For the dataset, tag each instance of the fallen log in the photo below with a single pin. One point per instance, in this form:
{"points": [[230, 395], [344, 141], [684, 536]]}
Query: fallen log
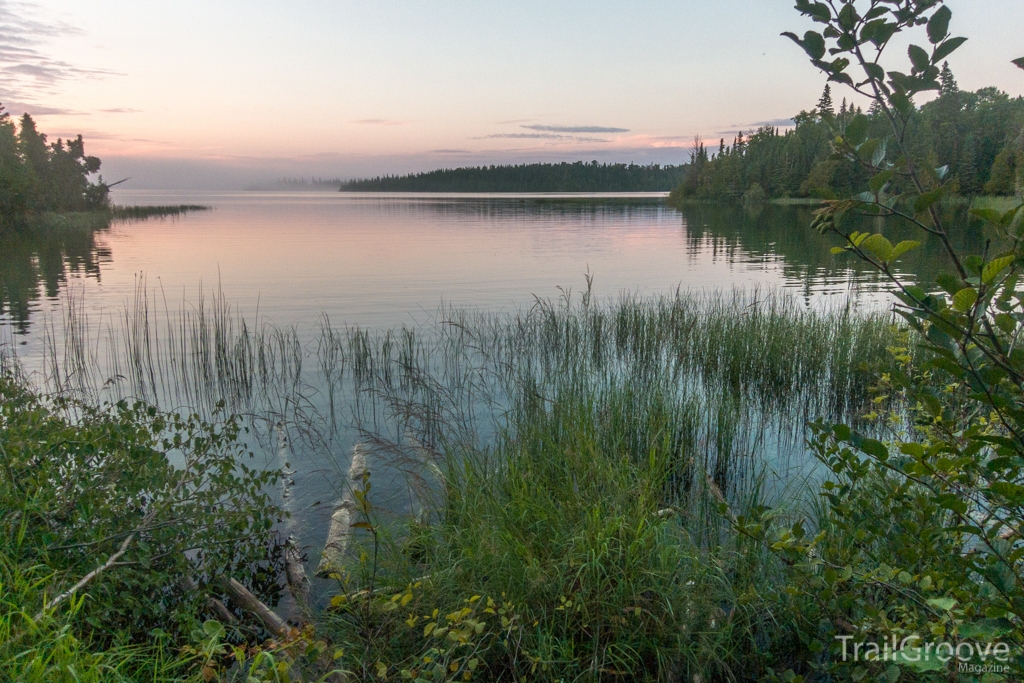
{"points": [[251, 604], [339, 535]]}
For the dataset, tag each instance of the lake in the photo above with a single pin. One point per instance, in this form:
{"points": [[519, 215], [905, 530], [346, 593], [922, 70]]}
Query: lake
{"points": [[381, 260], [233, 303]]}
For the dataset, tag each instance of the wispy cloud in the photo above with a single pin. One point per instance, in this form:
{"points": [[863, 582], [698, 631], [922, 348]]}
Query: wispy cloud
{"points": [[26, 71], [17, 107], [751, 127], [449, 151], [121, 110], [538, 136], [576, 129], [378, 122], [782, 123]]}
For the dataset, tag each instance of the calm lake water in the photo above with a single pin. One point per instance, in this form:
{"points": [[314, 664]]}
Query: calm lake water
{"points": [[381, 260]]}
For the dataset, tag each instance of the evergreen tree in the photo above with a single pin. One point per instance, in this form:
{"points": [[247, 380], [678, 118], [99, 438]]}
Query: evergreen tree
{"points": [[36, 176], [825, 105], [14, 182], [947, 81]]}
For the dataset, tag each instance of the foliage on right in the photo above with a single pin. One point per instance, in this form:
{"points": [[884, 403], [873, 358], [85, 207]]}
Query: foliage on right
{"points": [[919, 535]]}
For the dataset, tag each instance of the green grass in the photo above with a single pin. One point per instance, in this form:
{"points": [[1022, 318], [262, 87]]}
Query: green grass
{"points": [[51, 649], [96, 220], [584, 450]]}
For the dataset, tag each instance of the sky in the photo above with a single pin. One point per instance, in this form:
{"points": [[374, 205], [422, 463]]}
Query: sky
{"points": [[220, 94]]}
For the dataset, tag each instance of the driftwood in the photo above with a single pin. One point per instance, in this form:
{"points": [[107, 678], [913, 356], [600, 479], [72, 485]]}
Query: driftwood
{"points": [[295, 570], [250, 603], [111, 562], [295, 573], [218, 608], [340, 533]]}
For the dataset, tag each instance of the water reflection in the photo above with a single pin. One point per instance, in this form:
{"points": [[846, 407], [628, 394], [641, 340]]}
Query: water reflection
{"points": [[782, 236], [37, 261], [371, 259]]}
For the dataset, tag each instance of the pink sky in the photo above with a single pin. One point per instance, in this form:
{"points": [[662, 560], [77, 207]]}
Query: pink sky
{"points": [[219, 94]]}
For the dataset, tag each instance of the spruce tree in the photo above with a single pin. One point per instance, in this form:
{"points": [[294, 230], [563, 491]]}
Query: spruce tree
{"points": [[825, 105], [948, 82]]}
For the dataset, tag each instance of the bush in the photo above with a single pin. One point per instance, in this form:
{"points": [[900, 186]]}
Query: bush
{"points": [[115, 520], [920, 531]]}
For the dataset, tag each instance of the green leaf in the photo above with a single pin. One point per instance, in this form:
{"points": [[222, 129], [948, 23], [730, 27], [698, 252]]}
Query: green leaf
{"points": [[946, 49], [964, 299], [986, 628], [875, 449], [917, 659], [857, 130], [944, 604], [927, 200], [994, 267], [988, 215], [919, 58], [837, 250], [879, 181], [820, 12], [874, 71], [938, 25], [1006, 323], [848, 17], [813, 43], [903, 247], [879, 246]]}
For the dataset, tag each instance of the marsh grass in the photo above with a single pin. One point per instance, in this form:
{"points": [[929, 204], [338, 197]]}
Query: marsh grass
{"points": [[740, 373], [585, 458], [97, 220], [122, 213]]}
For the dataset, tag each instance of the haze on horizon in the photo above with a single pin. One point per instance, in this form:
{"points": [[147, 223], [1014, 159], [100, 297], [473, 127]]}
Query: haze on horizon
{"points": [[216, 95]]}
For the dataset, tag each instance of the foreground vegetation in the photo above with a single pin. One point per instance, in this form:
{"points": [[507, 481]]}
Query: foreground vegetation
{"points": [[604, 529], [587, 522]]}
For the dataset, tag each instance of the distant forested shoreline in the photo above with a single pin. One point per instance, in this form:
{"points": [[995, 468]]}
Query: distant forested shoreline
{"points": [[560, 177], [975, 137]]}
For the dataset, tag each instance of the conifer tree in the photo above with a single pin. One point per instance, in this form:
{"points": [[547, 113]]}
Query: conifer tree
{"points": [[948, 82], [825, 105]]}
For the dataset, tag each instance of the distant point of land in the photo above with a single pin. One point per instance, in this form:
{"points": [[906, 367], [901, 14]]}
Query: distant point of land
{"points": [[560, 177]]}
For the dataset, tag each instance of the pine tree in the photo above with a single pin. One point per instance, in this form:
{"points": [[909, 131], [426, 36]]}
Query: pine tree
{"points": [[947, 81], [825, 105]]}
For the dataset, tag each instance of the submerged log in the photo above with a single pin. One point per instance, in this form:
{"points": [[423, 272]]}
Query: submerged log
{"points": [[295, 570], [253, 605], [339, 536], [295, 573], [218, 608]]}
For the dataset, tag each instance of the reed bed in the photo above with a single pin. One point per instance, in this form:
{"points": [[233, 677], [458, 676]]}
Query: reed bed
{"points": [[579, 453], [740, 372], [124, 213]]}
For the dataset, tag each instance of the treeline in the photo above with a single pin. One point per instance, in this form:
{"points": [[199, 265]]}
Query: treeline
{"points": [[296, 185], [36, 176], [561, 177], [978, 135]]}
